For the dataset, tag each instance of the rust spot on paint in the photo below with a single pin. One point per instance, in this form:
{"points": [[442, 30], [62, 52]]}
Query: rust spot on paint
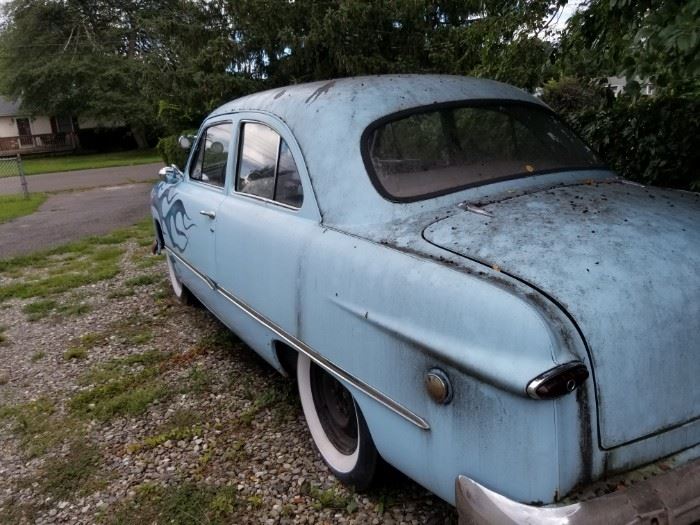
{"points": [[325, 88]]}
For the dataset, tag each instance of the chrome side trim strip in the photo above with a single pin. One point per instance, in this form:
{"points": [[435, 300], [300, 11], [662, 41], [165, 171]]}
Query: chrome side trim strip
{"points": [[211, 284], [302, 347]]}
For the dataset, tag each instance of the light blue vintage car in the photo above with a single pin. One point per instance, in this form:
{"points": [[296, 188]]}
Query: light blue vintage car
{"points": [[459, 287]]}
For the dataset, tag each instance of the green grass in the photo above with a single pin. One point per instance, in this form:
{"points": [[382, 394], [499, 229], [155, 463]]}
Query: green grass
{"points": [[71, 266], [188, 503], [121, 386], [141, 280], [43, 308], [69, 253], [199, 380], [37, 425], [71, 475], [332, 498], [37, 356], [35, 165], [280, 396], [39, 309], [76, 352], [94, 269], [13, 206]]}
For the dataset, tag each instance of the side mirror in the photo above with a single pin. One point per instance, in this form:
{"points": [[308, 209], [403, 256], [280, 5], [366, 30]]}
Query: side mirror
{"points": [[185, 142], [170, 174]]}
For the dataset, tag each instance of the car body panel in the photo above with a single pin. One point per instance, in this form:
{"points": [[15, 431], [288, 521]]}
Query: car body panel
{"points": [[624, 261]]}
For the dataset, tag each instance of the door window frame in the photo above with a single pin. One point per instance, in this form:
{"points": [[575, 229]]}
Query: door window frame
{"points": [[229, 156], [280, 137]]}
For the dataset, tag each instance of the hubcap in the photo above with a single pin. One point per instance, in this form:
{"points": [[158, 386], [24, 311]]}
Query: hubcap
{"points": [[335, 408]]}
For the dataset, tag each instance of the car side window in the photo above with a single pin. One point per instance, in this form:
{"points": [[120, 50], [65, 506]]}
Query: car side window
{"points": [[212, 155], [266, 167]]}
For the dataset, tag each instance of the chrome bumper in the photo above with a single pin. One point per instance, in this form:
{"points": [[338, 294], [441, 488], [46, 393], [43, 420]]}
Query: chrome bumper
{"points": [[670, 498]]}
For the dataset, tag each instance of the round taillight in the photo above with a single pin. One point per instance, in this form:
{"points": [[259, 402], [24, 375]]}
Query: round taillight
{"points": [[558, 381]]}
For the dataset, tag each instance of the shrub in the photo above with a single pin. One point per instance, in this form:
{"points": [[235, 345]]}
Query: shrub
{"points": [[569, 94], [171, 151], [652, 140]]}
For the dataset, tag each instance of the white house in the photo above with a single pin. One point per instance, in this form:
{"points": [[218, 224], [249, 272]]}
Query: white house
{"points": [[21, 132], [618, 84]]}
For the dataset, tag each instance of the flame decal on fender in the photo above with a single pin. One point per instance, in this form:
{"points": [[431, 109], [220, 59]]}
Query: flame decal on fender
{"points": [[172, 214]]}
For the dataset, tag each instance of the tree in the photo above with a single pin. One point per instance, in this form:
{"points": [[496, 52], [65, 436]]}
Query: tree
{"points": [[650, 39], [138, 62], [307, 40]]}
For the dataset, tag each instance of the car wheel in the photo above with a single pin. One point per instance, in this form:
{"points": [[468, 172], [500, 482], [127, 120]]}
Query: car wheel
{"points": [[337, 425], [180, 290]]}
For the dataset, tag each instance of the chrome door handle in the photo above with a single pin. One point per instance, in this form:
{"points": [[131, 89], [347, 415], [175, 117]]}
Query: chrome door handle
{"points": [[210, 214]]}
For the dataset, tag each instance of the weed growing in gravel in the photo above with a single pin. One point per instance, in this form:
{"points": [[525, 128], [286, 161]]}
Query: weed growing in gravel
{"points": [[39, 309], [200, 380], [141, 280], [133, 330], [236, 451], [76, 352], [57, 270], [121, 386], [177, 505], [147, 261], [121, 293], [255, 501], [221, 339], [281, 396], [332, 498], [126, 394], [175, 434], [37, 425], [42, 308], [37, 356], [184, 417], [3, 337], [72, 475], [96, 265]]}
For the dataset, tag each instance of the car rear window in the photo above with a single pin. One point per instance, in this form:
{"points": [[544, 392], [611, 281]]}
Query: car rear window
{"points": [[434, 151]]}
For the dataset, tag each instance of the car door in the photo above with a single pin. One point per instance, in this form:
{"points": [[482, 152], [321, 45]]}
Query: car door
{"points": [[201, 195], [265, 222]]}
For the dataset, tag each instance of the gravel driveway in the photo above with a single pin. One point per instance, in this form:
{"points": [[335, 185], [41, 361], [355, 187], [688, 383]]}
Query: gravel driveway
{"points": [[119, 405]]}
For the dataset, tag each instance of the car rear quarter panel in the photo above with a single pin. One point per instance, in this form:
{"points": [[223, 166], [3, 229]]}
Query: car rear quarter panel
{"points": [[387, 317]]}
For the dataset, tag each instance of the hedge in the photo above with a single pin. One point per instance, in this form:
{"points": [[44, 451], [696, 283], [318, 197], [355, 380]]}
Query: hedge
{"points": [[653, 140], [170, 149]]}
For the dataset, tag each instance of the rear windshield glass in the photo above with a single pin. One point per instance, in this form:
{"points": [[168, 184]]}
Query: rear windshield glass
{"points": [[436, 151]]}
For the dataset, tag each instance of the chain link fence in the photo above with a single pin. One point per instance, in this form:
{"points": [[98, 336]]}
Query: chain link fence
{"points": [[12, 167]]}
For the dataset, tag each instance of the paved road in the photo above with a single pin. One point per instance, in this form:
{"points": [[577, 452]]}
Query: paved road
{"points": [[67, 217], [75, 180]]}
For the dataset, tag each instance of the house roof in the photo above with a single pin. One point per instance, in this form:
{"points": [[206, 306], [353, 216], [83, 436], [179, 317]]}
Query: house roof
{"points": [[9, 108]]}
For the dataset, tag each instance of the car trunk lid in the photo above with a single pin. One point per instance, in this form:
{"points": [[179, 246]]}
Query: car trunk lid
{"points": [[624, 261]]}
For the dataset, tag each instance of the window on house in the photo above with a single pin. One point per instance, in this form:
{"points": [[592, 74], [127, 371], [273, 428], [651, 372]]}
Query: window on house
{"points": [[61, 124], [266, 167], [211, 156]]}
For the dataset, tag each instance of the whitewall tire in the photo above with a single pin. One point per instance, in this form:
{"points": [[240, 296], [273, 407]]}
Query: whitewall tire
{"points": [[180, 290], [337, 425]]}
